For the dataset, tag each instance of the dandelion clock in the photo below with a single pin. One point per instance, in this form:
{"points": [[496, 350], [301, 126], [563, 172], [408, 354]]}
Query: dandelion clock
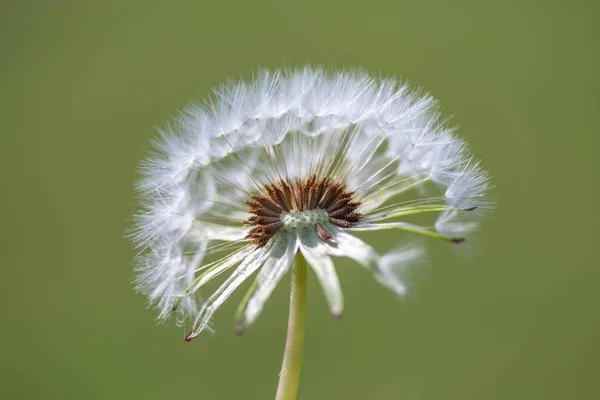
{"points": [[276, 175]]}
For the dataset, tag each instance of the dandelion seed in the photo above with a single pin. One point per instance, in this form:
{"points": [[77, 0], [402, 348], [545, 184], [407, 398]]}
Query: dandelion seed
{"points": [[294, 162]]}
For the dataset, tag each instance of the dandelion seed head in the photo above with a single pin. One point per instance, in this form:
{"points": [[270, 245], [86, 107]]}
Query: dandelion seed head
{"points": [[296, 161]]}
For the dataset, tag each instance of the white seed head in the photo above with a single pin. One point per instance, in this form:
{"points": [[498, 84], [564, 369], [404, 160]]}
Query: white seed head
{"points": [[295, 161]]}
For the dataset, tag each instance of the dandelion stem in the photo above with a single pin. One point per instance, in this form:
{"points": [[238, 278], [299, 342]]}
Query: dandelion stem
{"points": [[292, 358]]}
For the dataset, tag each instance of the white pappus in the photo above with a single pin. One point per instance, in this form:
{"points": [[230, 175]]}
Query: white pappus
{"points": [[296, 161]]}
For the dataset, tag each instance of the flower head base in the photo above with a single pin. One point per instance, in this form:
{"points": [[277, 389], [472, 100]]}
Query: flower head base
{"points": [[296, 161], [307, 204]]}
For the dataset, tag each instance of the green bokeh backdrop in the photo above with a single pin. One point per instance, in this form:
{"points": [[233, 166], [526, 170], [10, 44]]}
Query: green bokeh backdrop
{"points": [[85, 83]]}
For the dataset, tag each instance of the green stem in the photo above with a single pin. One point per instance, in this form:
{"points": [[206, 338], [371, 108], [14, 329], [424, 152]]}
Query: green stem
{"points": [[292, 358]]}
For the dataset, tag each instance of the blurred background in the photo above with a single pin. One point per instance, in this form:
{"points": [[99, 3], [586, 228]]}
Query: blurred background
{"points": [[84, 84]]}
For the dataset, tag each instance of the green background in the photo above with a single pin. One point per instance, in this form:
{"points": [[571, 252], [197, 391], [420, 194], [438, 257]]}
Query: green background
{"points": [[83, 84]]}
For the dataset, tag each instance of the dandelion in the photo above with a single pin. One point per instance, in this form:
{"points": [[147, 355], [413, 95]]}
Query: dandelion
{"points": [[277, 174]]}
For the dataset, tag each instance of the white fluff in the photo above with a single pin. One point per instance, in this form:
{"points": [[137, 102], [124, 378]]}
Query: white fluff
{"points": [[382, 139]]}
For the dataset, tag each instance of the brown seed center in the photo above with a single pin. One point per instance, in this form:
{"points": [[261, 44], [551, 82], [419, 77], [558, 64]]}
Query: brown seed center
{"points": [[302, 195]]}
